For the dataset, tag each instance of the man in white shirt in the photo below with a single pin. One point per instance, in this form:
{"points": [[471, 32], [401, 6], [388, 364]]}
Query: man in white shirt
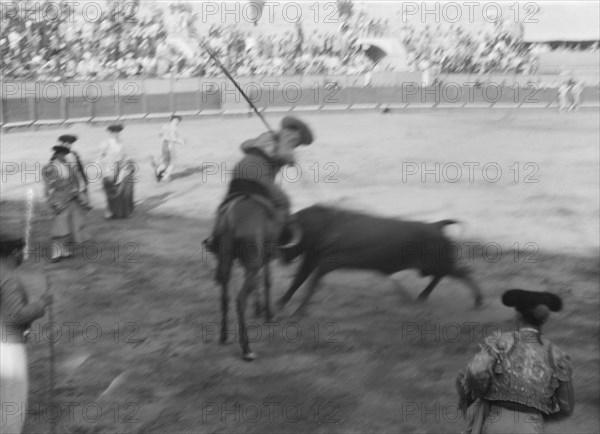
{"points": [[170, 138]]}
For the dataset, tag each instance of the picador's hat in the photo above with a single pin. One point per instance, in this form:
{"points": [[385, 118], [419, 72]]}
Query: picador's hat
{"points": [[67, 138], [523, 300], [292, 123], [9, 244], [115, 128]]}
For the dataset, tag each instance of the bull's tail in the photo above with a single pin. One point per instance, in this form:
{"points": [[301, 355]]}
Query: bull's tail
{"points": [[447, 222]]}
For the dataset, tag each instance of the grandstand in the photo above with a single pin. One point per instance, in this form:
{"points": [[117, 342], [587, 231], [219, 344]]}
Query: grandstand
{"points": [[151, 67], [566, 39], [157, 43]]}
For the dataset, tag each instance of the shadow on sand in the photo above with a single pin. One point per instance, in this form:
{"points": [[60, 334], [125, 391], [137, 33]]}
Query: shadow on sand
{"points": [[187, 172]]}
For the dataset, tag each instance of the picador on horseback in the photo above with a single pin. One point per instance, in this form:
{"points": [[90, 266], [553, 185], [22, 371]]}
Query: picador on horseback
{"points": [[255, 175], [254, 217]]}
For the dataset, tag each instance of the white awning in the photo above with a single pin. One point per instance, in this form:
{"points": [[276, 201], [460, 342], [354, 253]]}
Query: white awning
{"points": [[563, 21]]}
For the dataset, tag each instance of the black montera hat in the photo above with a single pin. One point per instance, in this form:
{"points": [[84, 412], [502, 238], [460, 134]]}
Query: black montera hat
{"points": [[115, 128], [67, 138], [523, 300], [293, 123]]}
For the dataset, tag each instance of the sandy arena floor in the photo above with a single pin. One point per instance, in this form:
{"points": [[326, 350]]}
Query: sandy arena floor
{"points": [[139, 314]]}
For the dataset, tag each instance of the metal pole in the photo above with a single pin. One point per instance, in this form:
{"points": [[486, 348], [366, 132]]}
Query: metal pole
{"points": [[235, 83]]}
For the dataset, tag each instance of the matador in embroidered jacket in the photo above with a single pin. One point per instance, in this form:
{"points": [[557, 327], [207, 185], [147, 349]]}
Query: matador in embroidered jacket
{"points": [[518, 380]]}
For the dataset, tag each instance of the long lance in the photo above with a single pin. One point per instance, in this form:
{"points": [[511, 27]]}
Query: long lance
{"points": [[28, 216], [213, 56]]}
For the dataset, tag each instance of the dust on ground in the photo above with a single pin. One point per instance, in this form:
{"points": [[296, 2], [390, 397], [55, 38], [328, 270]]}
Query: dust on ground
{"points": [[139, 312]]}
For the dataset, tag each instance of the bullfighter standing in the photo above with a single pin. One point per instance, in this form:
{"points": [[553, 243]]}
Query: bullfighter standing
{"points": [[255, 173], [117, 175], [518, 380], [66, 189], [170, 138]]}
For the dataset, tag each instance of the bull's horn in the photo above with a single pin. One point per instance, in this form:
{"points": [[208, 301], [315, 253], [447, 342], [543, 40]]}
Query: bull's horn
{"points": [[296, 236]]}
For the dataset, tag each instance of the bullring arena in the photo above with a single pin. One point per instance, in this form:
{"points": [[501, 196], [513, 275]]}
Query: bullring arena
{"points": [[137, 310]]}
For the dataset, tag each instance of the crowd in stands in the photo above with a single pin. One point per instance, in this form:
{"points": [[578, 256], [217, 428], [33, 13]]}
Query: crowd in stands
{"points": [[292, 52], [364, 26], [452, 49], [155, 42], [122, 41], [573, 46], [589, 46]]}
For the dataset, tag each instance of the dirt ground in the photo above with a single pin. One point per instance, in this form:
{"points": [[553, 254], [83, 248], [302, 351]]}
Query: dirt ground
{"points": [[137, 311]]}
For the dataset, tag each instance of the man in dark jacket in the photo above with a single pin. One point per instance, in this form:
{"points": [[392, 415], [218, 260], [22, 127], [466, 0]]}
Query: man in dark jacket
{"points": [[255, 173], [66, 189]]}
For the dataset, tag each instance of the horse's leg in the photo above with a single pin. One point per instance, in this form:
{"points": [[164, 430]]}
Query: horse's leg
{"points": [[301, 275], [267, 277], [425, 293], [249, 285], [312, 286], [257, 306], [223, 276]]}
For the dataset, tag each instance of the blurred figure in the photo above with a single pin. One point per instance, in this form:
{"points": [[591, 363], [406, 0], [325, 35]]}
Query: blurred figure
{"points": [[426, 73], [569, 95], [564, 97], [368, 77], [170, 138], [256, 172], [66, 189], [16, 315], [576, 91], [517, 380], [117, 175]]}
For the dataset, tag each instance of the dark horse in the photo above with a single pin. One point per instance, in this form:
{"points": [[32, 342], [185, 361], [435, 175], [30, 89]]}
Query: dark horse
{"points": [[248, 233]]}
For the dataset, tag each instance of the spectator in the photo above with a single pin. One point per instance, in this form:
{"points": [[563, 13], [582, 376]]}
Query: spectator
{"points": [[132, 46]]}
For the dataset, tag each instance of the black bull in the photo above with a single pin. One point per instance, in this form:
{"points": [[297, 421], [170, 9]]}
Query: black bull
{"points": [[335, 239]]}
